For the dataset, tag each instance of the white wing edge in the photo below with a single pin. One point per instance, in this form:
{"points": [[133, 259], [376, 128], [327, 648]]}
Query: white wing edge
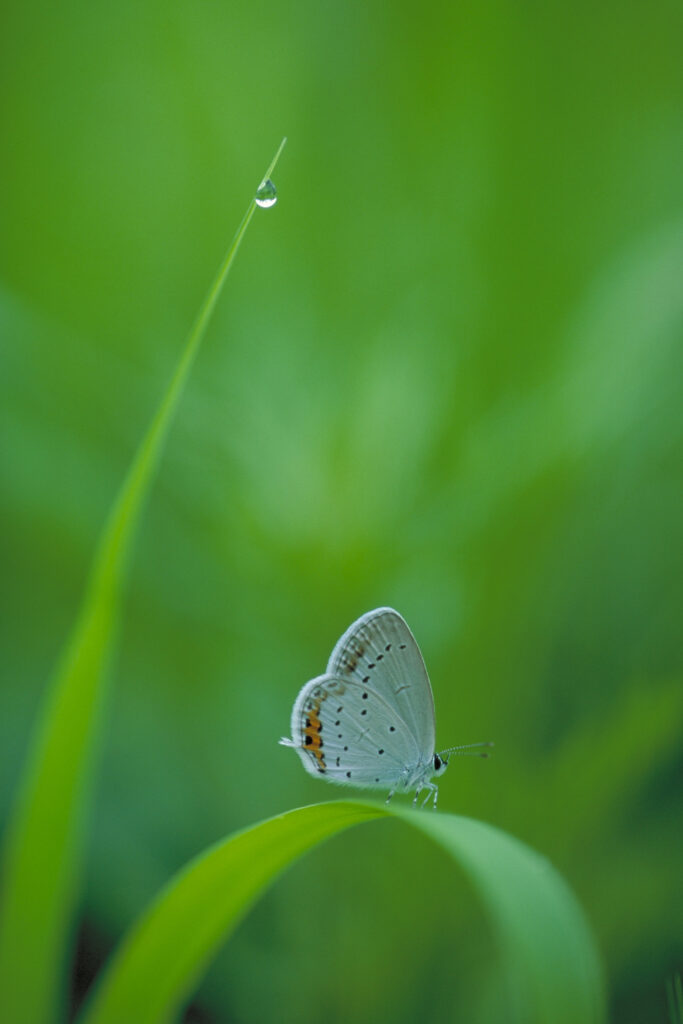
{"points": [[343, 639]]}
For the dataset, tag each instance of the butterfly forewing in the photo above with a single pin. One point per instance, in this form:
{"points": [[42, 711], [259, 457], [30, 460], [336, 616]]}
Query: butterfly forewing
{"points": [[347, 732], [379, 651]]}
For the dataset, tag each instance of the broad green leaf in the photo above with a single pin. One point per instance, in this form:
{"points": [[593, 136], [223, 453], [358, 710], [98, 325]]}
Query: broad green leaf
{"points": [[550, 965], [42, 852]]}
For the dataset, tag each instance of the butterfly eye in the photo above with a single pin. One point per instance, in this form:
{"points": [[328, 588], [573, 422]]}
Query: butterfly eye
{"points": [[437, 762]]}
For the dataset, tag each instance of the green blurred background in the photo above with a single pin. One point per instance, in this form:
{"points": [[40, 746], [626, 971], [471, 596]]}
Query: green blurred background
{"points": [[442, 377]]}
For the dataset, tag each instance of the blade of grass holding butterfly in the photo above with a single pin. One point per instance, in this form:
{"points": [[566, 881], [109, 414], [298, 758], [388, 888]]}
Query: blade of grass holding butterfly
{"points": [[42, 850], [549, 960]]}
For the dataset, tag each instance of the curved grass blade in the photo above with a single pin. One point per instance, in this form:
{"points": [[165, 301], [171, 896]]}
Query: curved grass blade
{"points": [[550, 963], [42, 852], [551, 966]]}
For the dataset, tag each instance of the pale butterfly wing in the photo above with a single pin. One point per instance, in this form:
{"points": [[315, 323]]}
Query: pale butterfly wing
{"points": [[346, 731], [379, 651]]}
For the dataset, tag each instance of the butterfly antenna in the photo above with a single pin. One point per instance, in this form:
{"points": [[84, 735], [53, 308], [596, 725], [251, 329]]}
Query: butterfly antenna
{"points": [[465, 750]]}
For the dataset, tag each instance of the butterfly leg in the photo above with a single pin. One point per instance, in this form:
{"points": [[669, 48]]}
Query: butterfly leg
{"points": [[432, 791], [417, 793], [390, 796]]}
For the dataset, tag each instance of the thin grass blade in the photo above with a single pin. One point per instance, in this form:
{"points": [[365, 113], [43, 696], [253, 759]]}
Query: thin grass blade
{"points": [[42, 851], [674, 998]]}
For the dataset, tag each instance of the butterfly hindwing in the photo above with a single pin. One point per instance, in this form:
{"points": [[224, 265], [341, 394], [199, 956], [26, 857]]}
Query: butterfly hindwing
{"points": [[345, 731]]}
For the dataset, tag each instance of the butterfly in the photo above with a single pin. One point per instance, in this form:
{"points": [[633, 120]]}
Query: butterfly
{"points": [[369, 720]]}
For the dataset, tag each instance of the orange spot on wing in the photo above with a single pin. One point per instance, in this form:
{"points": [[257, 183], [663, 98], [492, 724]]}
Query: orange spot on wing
{"points": [[312, 734]]}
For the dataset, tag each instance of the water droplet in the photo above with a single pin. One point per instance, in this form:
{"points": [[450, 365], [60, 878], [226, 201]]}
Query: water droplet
{"points": [[266, 194]]}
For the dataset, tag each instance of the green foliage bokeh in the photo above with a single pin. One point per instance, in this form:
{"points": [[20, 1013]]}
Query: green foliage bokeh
{"points": [[444, 380]]}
